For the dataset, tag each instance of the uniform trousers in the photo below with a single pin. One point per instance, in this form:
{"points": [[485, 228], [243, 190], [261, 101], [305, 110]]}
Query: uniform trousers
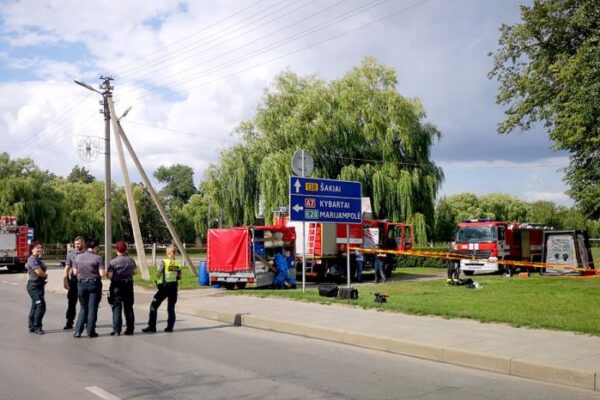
{"points": [[121, 293], [72, 297], [90, 293], [38, 304], [165, 291]]}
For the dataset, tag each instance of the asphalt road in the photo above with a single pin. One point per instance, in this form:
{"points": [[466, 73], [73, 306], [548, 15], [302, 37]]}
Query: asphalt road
{"points": [[204, 359]]}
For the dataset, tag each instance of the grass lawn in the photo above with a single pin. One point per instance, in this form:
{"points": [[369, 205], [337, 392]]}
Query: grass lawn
{"points": [[559, 303], [188, 280]]}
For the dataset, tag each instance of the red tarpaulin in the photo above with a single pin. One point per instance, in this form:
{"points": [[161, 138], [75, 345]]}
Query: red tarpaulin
{"points": [[228, 250]]}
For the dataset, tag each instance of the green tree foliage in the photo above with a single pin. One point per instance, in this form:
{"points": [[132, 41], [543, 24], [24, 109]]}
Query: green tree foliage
{"points": [[80, 174], [152, 227], [453, 209], [358, 128], [548, 66], [27, 193], [545, 212], [179, 183]]}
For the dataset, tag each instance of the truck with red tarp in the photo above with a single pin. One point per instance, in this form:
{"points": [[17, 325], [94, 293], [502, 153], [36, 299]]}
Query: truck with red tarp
{"points": [[233, 254], [13, 244]]}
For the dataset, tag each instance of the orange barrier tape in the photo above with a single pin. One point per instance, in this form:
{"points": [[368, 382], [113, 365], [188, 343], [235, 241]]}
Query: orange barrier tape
{"points": [[447, 255]]}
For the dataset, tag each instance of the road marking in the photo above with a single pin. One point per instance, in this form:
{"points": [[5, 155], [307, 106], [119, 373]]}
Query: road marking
{"points": [[103, 394]]}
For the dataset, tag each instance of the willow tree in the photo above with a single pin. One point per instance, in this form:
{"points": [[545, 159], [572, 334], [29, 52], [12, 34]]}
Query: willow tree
{"points": [[27, 193], [357, 128]]}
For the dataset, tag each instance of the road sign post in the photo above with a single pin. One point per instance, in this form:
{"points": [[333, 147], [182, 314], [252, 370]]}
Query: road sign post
{"points": [[325, 201]]}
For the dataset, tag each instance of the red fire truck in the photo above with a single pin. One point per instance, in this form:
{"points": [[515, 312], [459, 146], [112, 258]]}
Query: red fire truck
{"points": [[13, 244], [231, 254], [326, 243], [483, 242]]}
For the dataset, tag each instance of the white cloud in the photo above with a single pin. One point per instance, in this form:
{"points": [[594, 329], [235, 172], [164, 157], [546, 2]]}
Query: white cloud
{"points": [[439, 52]]}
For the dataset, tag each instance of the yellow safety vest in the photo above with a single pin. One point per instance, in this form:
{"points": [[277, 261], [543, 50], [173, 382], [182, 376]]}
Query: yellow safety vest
{"points": [[170, 272]]}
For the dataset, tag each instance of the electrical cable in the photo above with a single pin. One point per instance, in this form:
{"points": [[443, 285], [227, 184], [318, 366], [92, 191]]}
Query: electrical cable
{"points": [[188, 54], [321, 26]]}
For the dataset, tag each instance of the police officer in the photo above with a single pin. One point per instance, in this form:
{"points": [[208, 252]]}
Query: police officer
{"points": [[167, 276], [120, 272], [88, 272], [36, 271], [70, 281]]}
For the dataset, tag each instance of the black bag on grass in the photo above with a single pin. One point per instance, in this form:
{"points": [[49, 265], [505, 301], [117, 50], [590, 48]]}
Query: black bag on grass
{"points": [[328, 290], [348, 293]]}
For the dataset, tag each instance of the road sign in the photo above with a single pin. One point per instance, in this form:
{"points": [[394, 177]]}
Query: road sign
{"points": [[325, 200], [302, 163]]}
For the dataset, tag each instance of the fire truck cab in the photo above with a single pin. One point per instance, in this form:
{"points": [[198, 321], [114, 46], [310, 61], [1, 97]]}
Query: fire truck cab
{"points": [[13, 244], [483, 242]]}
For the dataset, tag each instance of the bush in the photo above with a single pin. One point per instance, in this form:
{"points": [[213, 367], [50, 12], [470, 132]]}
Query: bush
{"points": [[425, 262]]}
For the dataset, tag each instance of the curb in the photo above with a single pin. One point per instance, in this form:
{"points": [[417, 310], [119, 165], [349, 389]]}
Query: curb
{"points": [[515, 367]]}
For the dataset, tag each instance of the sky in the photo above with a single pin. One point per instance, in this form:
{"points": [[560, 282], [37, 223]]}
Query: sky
{"points": [[192, 71]]}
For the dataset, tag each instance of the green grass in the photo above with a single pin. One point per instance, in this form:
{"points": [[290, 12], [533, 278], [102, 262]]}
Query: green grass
{"points": [[188, 280], [558, 303]]}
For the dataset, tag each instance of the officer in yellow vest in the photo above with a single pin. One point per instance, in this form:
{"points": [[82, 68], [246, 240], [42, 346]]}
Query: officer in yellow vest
{"points": [[167, 276]]}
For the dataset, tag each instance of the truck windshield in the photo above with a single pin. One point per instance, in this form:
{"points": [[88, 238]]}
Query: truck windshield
{"points": [[475, 234]]}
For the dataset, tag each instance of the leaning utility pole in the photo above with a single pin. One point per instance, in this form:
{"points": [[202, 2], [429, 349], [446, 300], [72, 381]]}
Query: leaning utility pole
{"points": [[157, 202], [135, 225]]}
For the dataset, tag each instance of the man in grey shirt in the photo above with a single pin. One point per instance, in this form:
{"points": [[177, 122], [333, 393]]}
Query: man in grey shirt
{"points": [[70, 281], [87, 269]]}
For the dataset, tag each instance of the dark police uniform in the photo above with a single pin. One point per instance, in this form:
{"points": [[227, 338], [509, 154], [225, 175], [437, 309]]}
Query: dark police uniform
{"points": [[122, 268], [35, 289], [89, 291], [168, 274], [72, 293]]}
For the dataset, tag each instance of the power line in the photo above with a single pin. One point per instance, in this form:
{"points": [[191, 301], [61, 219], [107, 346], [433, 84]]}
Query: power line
{"points": [[179, 131], [152, 94], [188, 36], [170, 56], [289, 39], [220, 66], [68, 110]]}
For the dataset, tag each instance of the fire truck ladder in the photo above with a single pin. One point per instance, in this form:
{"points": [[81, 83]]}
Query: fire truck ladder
{"points": [[312, 236]]}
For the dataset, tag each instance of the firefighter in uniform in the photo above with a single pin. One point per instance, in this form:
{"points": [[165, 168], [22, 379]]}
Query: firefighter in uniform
{"points": [[70, 281], [36, 272], [120, 272], [167, 277], [87, 267]]}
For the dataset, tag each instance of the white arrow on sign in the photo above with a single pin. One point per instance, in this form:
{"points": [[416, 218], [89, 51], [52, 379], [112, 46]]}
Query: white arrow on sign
{"points": [[297, 208], [297, 186]]}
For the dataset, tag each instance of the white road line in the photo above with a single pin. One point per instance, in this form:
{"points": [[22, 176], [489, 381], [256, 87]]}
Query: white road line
{"points": [[103, 394]]}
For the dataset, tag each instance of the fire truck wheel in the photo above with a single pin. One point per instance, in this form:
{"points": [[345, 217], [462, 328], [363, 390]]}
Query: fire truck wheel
{"points": [[241, 285], [229, 285], [468, 273]]}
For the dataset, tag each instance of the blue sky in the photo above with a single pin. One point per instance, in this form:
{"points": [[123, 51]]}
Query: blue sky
{"points": [[193, 70]]}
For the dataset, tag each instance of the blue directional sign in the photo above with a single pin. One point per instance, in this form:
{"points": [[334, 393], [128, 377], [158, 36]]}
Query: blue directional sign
{"points": [[325, 200]]}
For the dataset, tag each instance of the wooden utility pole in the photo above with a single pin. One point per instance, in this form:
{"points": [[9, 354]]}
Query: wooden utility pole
{"points": [[157, 201], [135, 225]]}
